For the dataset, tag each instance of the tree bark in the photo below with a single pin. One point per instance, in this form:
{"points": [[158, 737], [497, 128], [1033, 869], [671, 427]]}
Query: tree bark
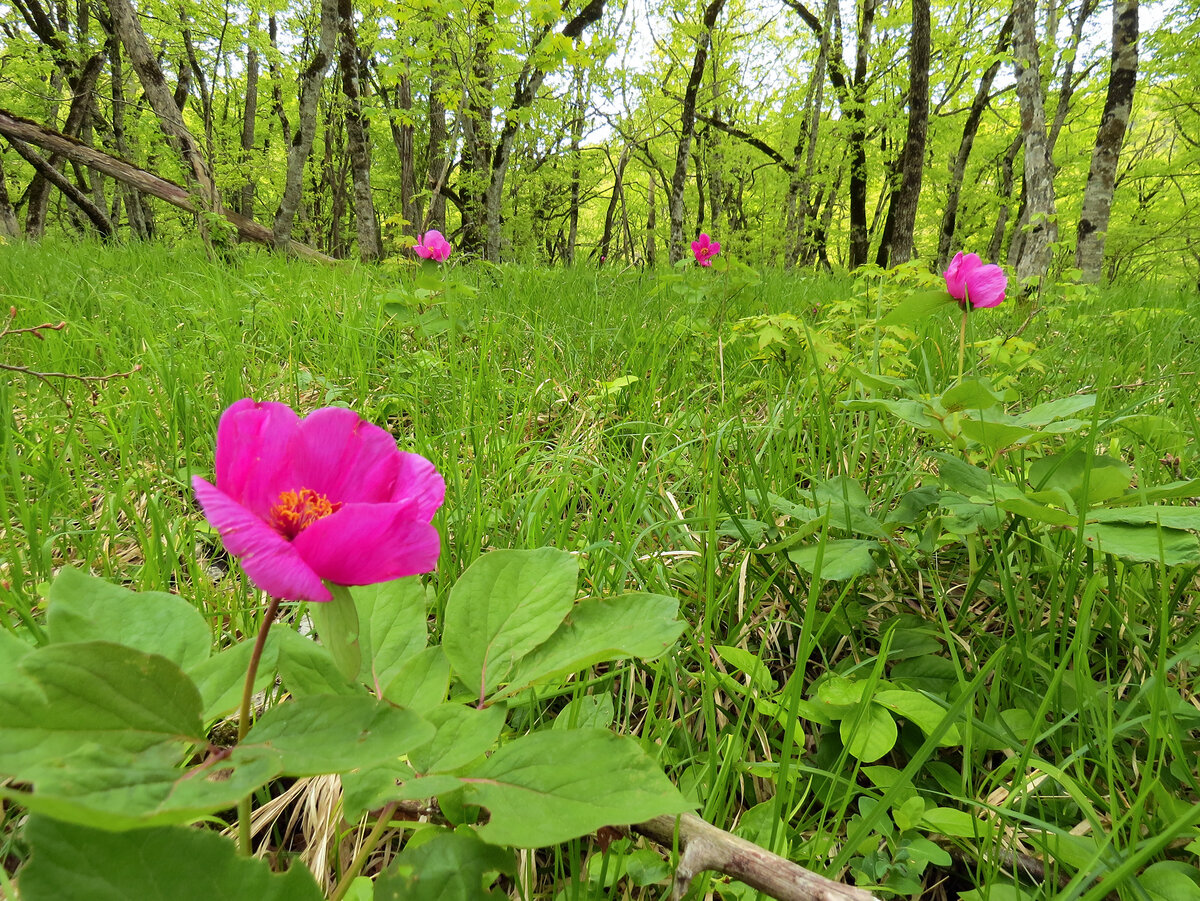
{"points": [[300, 147], [9, 226], [357, 138], [528, 84], [578, 111], [475, 168], [903, 204], [249, 114], [1033, 262], [1118, 103], [970, 130], [12, 126], [53, 176], [439, 163], [617, 194], [687, 127], [651, 221]]}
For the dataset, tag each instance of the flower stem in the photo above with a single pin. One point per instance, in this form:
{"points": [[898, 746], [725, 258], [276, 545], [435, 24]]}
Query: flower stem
{"points": [[962, 341], [245, 840], [360, 859]]}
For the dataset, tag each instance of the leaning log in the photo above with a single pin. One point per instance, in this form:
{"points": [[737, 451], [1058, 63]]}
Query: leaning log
{"points": [[21, 129]]}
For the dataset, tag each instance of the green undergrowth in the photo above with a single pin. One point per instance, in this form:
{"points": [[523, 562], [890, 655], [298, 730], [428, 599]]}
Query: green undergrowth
{"points": [[896, 688]]}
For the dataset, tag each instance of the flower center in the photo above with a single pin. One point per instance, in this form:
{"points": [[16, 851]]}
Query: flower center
{"points": [[295, 511]]}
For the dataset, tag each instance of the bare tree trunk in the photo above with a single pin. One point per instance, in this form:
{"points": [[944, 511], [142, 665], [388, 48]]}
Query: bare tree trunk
{"points": [[477, 133], [1097, 197], [249, 114], [404, 136], [814, 104], [687, 127], [576, 138], [53, 176], [651, 221], [357, 138], [860, 236], [617, 193], [439, 164], [135, 209], [9, 226], [970, 129], [528, 84], [903, 214], [1033, 263], [996, 244], [300, 147]]}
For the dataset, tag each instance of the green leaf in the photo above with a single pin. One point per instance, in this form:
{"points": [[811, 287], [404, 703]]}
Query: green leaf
{"points": [[165, 864], [917, 306], [602, 629], [307, 669], [995, 430], [94, 693], [1144, 544], [972, 394], [1106, 477], [12, 651], [587, 712], [393, 618], [748, 664], [372, 787], [870, 734], [338, 628], [952, 822], [1170, 880], [932, 674], [505, 605], [222, 676], [84, 608], [333, 734], [422, 681], [463, 734], [926, 714], [1044, 414], [451, 866], [843, 559], [549, 787], [1170, 517]]}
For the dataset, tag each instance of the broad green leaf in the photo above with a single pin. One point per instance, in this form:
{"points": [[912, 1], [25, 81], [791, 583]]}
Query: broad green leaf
{"points": [[587, 712], [1170, 880], [972, 394], [995, 430], [1144, 544], [334, 733], [307, 669], [222, 676], [969, 480], [393, 626], [108, 790], [84, 608], [918, 709], [1105, 476], [422, 681], [842, 559], [912, 504], [451, 866], [1048, 412], [171, 863], [12, 651], [952, 822], [1021, 505], [747, 664], [841, 691], [94, 693], [602, 629], [338, 628], [918, 306], [930, 673], [505, 605], [372, 787], [463, 734], [868, 734], [549, 787], [1168, 517]]}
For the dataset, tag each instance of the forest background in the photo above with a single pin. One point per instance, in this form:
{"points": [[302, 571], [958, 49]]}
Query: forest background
{"points": [[825, 135]]}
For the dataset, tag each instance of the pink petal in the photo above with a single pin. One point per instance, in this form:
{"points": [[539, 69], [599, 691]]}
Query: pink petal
{"points": [[956, 275], [271, 562], [337, 453], [419, 480], [252, 452], [362, 544], [715, 248], [423, 252], [986, 286]]}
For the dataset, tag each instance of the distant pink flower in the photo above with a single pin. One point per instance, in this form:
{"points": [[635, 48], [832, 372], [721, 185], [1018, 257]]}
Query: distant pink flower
{"points": [[970, 281], [705, 249], [432, 246], [326, 498]]}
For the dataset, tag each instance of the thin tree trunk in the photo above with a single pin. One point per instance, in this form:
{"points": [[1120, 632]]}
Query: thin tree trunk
{"points": [[477, 133], [687, 126], [617, 192], [1033, 262], [1118, 103], [528, 85], [651, 221], [576, 164], [404, 136], [135, 209], [996, 244], [249, 114], [9, 226], [300, 147], [439, 163], [48, 171], [904, 201], [357, 138], [970, 130]]}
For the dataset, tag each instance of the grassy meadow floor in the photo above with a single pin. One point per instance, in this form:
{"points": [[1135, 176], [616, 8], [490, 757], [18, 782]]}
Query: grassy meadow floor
{"points": [[613, 414]]}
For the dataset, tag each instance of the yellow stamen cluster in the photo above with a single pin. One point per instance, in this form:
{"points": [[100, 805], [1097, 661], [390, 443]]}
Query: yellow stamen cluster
{"points": [[295, 511]]}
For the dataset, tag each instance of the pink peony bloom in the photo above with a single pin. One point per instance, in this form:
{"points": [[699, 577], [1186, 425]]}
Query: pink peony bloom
{"points": [[323, 498], [432, 246], [705, 249], [969, 281]]}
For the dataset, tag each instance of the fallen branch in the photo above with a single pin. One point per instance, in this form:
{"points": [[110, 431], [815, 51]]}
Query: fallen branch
{"points": [[705, 847], [20, 129]]}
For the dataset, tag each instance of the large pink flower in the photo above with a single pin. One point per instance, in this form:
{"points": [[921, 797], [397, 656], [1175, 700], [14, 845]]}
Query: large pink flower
{"points": [[705, 249], [433, 246], [324, 498], [969, 281]]}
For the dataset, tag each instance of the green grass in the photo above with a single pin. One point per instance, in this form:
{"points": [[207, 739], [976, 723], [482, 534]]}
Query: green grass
{"points": [[1072, 673]]}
